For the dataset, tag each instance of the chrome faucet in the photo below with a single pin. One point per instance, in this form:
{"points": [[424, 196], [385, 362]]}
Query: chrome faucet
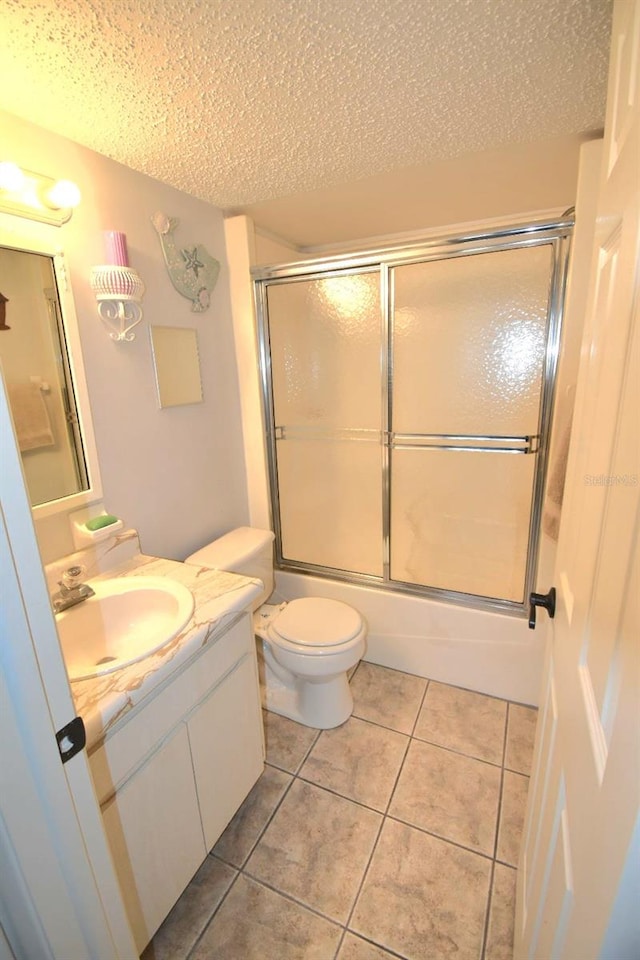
{"points": [[71, 591]]}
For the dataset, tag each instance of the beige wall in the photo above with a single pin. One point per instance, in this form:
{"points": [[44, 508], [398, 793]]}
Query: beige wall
{"points": [[177, 475], [268, 250], [502, 183], [569, 356]]}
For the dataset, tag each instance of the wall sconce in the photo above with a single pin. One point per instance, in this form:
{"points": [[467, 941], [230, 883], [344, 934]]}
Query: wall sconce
{"points": [[118, 289], [24, 193]]}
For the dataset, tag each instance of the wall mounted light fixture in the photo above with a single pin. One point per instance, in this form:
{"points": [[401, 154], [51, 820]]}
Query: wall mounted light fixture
{"points": [[118, 289], [24, 193]]}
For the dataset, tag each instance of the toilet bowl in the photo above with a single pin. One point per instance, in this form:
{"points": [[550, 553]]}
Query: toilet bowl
{"points": [[306, 646]]}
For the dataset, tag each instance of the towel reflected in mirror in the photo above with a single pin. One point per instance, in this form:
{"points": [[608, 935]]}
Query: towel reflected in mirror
{"points": [[30, 416]]}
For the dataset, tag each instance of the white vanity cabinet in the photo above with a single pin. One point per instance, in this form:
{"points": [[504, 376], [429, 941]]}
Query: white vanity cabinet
{"points": [[155, 835], [172, 775], [225, 765]]}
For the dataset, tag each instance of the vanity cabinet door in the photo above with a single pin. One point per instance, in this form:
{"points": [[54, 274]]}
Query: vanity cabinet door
{"points": [[225, 733], [154, 830]]}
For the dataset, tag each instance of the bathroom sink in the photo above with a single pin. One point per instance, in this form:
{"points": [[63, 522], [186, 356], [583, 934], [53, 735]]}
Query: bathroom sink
{"points": [[128, 619]]}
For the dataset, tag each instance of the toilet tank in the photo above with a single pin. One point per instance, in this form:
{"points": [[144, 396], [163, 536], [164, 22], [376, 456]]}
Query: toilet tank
{"points": [[244, 550]]}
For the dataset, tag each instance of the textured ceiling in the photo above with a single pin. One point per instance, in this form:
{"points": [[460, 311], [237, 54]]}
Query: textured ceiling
{"points": [[239, 101]]}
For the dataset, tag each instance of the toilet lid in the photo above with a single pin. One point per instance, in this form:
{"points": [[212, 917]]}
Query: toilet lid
{"points": [[318, 622]]}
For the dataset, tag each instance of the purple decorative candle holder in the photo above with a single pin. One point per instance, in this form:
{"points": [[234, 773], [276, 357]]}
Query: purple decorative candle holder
{"points": [[116, 247]]}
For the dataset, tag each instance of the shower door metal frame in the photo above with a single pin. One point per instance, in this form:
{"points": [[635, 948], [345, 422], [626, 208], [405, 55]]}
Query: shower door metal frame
{"points": [[555, 233]]}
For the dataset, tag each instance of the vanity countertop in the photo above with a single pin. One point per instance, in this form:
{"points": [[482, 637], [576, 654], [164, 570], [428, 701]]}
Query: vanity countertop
{"points": [[219, 598]]}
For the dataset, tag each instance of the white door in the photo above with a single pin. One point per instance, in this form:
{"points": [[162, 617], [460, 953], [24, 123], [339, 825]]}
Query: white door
{"points": [[579, 877], [58, 891]]}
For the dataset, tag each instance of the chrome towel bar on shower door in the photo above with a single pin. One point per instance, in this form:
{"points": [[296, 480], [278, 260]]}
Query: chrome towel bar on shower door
{"points": [[308, 431], [464, 442], [473, 443]]}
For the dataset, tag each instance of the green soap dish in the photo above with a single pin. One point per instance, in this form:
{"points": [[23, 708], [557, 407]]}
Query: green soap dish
{"points": [[96, 523]]}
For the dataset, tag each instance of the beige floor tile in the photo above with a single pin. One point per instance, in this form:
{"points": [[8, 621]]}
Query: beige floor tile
{"points": [[358, 760], [238, 839], [521, 733], [422, 897], [287, 742], [512, 811], [387, 697], [468, 722], [501, 917], [354, 948], [448, 794], [189, 917], [316, 849], [255, 923], [352, 670]]}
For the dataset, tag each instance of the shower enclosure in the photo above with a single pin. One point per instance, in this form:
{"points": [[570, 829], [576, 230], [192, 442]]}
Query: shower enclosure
{"points": [[408, 397]]}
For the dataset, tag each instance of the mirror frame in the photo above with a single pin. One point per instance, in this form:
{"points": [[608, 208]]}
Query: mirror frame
{"points": [[32, 241]]}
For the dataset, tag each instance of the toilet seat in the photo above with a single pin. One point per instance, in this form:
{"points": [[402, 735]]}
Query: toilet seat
{"points": [[315, 622]]}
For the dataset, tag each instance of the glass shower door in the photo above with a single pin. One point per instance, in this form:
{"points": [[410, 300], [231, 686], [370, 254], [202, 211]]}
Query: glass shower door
{"points": [[325, 337], [468, 345], [408, 394]]}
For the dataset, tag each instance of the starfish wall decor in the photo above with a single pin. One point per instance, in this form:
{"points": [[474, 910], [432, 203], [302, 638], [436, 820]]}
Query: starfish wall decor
{"points": [[192, 270]]}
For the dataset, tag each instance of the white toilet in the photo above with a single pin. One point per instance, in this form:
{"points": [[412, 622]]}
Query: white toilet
{"points": [[308, 645]]}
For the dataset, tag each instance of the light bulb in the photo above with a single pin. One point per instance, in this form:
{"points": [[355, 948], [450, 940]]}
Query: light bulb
{"points": [[63, 194], [11, 177]]}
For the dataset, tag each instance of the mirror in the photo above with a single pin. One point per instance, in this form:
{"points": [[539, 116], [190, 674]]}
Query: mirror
{"points": [[44, 381], [175, 355]]}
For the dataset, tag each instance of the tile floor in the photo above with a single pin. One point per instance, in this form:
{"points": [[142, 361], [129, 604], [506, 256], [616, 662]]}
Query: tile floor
{"points": [[395, 835]]}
